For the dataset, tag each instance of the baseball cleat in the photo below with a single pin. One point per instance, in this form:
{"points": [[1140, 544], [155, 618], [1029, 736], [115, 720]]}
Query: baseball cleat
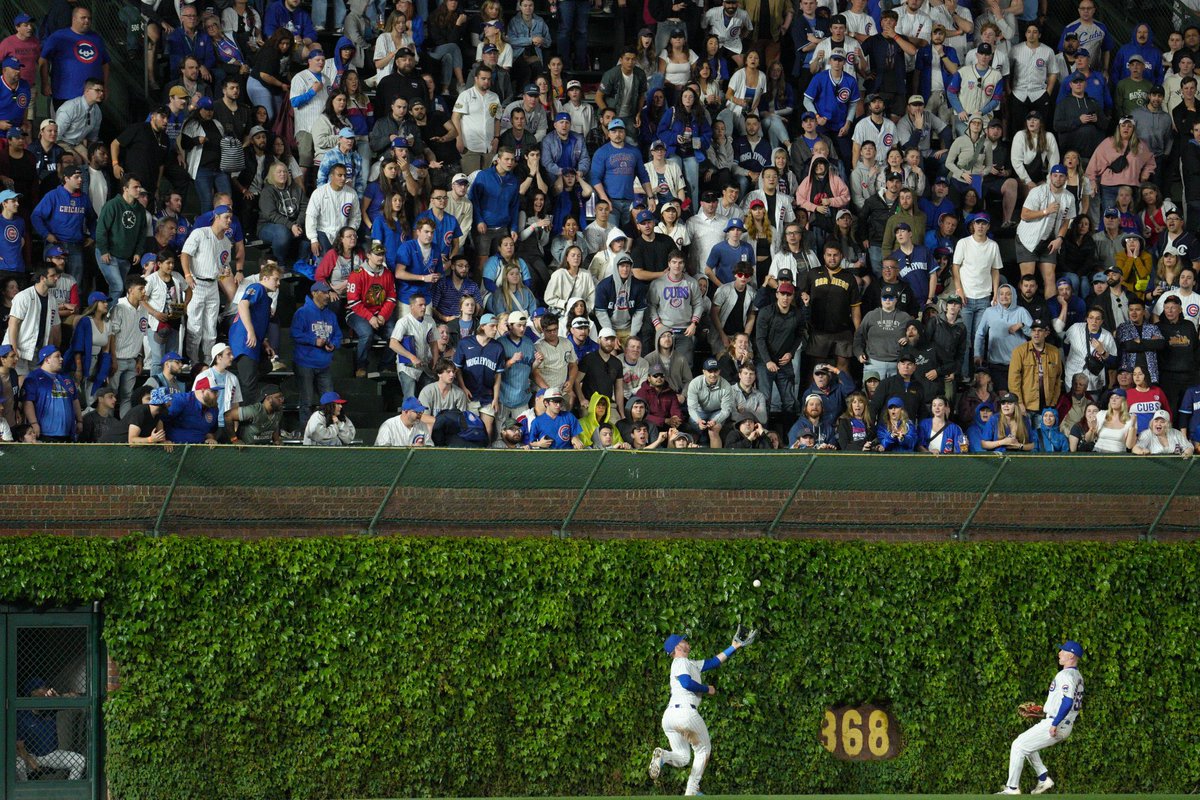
{"points": [[1009, 790], [1043, 786], [656, 764]]}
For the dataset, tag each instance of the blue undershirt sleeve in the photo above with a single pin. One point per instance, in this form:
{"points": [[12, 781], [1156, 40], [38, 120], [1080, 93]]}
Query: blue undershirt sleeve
{"points": [[1063, 710], [689, 683]]}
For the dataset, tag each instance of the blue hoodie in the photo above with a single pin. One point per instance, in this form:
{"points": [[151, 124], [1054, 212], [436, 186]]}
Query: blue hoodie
{"points": [[310, 323], [982, 431], [1048, 438], [65, 215], [994, 325], [1152, 55], [671, 128], [950, 436]]}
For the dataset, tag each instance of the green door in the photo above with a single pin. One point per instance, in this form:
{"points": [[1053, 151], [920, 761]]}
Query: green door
{"points": [[53, 683]]}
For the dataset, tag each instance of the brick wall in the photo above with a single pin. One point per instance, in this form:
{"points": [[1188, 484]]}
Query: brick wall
{"points": [[310, 511]]}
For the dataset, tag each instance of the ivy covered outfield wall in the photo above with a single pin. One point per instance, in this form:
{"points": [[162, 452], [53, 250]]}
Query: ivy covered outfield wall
{"points": [[407, 667]]}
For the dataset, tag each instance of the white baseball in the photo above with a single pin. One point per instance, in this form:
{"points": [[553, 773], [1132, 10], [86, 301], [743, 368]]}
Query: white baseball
{"points": [[757, 583]]}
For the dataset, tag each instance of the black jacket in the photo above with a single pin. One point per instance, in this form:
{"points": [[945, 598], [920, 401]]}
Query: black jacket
{"points": [[893, 386], [874, 217], [776, 333], [949, 342]]}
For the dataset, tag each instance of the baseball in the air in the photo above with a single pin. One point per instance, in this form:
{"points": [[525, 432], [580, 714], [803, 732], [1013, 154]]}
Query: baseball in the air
{"points": [[757, 583]]}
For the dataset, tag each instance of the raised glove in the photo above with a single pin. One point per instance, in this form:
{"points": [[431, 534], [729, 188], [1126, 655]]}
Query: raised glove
{"points": [[1030, 710], [744, 636]]}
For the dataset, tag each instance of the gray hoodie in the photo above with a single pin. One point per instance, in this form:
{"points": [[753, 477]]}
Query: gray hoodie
{"points": [[878, 337]]}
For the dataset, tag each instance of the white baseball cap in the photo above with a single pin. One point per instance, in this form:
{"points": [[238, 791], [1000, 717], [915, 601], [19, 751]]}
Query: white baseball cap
{"points": [[217, 349], [607, 333]]}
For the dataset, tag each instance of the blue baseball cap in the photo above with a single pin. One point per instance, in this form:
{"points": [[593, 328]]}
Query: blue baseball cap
{"points": [[735, 224], [399, 141], [55, 252], [205, 103], [672, 642], [96, 297], [149, 258], [487, 319], [413, 404], [1083, 51], [222, 209], [171, 356], [46, 352], [616, 123], [316, 51], [1058, 169], [346, 133], [5, 349], [490, 48], [1112, 212], [979, 217], [320, 286], [807, 115], [331, 397], [1073, 647], [21, 19], [645, 216], [562, 116], [12, 63]]}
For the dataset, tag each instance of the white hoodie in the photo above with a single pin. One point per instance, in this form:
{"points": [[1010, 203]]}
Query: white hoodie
{"points": [[329, 210]]}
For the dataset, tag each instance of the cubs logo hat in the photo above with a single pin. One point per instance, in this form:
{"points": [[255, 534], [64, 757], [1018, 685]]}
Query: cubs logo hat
{"points": [[222, 209], [984, 49], [332, 397], [171, 356], [11, 62], [204, 104], [21, 19], [562, 116], [46, 352], [645, 216], [1058, 169], [1073, 647]]}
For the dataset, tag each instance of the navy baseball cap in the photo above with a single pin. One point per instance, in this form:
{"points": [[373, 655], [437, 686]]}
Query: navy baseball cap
{"points": [[645, 216], [903, 226], [11, 62], [1073, 647], [895, 402], [807, 115], [562, 116], [205, 103], [711, 365], [672, 642], [888, 292], [490, 48], [1058, 169], [320, 286], [55, 251], [532, 90]]}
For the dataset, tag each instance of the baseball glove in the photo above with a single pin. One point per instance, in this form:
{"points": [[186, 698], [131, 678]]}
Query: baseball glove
{"points": [[744, 636], [1030, 710]]}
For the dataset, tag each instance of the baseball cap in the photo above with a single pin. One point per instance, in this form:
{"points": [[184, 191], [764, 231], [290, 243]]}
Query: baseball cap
{"points": [[1058, 169], [518, 316], [870, 375], [908, 356], [845, 212], [268, 389], [460, 178], [895, 176], [995, 122], [574, 85], [984, 49], [888, 292], [8, 194], [377, 249], [1173, 212], [11, 62], [346, 133], [5, 349], [204, 383], [786, 288], [607, 333], [205, 103], [873, 96], [657, 144], [1111, 212], [1099, 278], [756, 203], [72, 170], [1008, 397], [553, 394], [256, 130], [316, 51], [1125, 119], [532, 89], [672, 642], [645, 216], [176, 91], [1062, 282], [903, 226], [822, 367], [46, 352], [218, 349], [55, 252], [419, 163], [617, 122], [1162, 413], [895, 401], [953, 298], [22, 18], [1073, 647], [735, 224], [1078, 77], [711, 365], [490, 48], [399, 141], [708, 196], [412, 404], [786, 276], [979, 217], [562, 116], [807, 115], [487, 319], [1157, 89], [916, 100], [1130, 60], [657, 368], [580, 322], [96, 297], [1113, 268], [320, 286], [171, 356], [332, 397], [837, 53], [942, 179], [1083, 51], [1039, 323]]}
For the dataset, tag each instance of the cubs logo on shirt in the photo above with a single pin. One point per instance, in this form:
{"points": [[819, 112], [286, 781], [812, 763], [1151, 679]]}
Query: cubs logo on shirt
{"points": [[143, 324], [346, 209], [419, 439], [11, 233], [22, 99], [1192, 310], [224, 258], [888, 140], [1040, 63], [843, 94], [85, 52], [990, 89], [564, 433]]}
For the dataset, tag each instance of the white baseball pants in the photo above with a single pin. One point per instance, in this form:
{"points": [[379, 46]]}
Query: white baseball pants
{"points": [[202, 320], [56, 759], [1026, 746], [684, 726]]}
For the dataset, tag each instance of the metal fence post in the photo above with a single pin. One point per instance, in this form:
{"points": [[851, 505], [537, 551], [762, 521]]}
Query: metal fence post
{"points": [[1148, 536], [162, 512], [390, 491], [564, 531], [770, 531], [961, 535]]}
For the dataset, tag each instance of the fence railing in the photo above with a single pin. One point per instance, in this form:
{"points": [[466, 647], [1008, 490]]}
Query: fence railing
{"points": [[219, 489]]}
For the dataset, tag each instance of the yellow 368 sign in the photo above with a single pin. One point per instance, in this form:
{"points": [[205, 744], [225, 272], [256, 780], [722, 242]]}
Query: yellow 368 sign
{"points": [[865, 733]]}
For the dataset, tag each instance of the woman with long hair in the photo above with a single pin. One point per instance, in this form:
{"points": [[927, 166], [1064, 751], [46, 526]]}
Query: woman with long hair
{"points": [[279, 151], [844, 236], [534, 238], [893, 161], [556, 77], [325, 129], [969, 157], [895, 432], [329, 426], [1164, 276], [270, 74], [570, 280], [343, 258], [443, 35], [1008, 431], [938, 434], [89, 356], [489, 11], [708, 87], [281, 206], [822, 193], [393, 37], [506, 254], [739, 354], [789, 182], [1154, 207], [1034, 152], [1077, 182], [391, 228], [855, 427], [675, 63], [646, 57], [1135, 264], [685, 131], [776, 108], [1084, 433], [387, 184], [1144, 397], [511, 294], [713, 56], [1119, 160], [760, 234], [653, 112], [1077, 258], [493, 34], [1116, 430], [745, 94]]}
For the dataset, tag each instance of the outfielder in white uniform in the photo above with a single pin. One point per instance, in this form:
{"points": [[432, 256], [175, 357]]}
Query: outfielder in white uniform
{"points": [[681, 721], [205, 259], [1062, 707]]}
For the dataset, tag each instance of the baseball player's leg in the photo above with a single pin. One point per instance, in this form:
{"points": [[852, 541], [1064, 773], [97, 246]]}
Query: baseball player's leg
{"points": [[680, 753], [702, 746], [1026, 745]]}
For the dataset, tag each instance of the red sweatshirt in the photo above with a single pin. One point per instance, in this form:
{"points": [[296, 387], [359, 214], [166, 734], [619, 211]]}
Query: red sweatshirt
{"points": [[368, 294]]}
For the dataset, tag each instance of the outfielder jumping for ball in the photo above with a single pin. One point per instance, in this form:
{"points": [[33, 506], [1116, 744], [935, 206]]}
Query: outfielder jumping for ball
{"points": [[681, 720], [1062, 708]]}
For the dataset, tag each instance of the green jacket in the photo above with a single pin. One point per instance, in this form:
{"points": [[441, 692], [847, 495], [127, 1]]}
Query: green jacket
{"points": [[121, 228]]}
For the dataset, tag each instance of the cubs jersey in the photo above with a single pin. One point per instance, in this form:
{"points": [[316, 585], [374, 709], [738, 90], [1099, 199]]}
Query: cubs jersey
{"points": [[12, 238], [1067, 683], [73, 57], [479, 365], [691, 668], [728, 29], [832, 98], [14, 101], [883, 134]]}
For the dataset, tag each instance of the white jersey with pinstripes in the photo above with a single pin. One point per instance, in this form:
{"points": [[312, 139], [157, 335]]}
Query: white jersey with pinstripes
{"points": [[1067, 683], [680, 695]]}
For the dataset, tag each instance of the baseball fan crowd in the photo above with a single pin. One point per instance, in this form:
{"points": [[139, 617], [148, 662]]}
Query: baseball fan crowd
{"points": [[943, 226]]}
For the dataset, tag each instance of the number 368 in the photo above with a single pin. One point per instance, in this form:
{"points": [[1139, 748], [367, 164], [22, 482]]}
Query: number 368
{"points": [[865, 733]]}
